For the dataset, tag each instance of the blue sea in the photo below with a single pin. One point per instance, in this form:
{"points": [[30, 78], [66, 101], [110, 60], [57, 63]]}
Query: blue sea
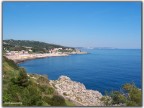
{"points": [[101, 69]]}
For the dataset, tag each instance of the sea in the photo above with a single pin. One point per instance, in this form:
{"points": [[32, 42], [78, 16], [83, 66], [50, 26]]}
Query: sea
{"points": [[103, 70]]}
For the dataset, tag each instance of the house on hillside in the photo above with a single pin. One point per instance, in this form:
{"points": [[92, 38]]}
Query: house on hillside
{"points": [[12, 53], [23, 52], [8, 54]]}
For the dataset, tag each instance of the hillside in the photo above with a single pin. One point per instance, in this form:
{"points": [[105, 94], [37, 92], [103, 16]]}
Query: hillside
{"points": [[24, 89], [36, 46]]}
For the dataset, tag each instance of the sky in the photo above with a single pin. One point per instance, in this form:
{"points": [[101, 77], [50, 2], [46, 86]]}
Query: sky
{"points": [[75, 24]]}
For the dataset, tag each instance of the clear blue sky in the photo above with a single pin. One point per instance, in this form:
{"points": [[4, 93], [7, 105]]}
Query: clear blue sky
{"points": [[76, 24]]}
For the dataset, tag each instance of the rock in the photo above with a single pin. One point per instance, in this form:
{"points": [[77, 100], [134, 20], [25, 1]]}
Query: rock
{"points": [[63, 78], [77, 92]]}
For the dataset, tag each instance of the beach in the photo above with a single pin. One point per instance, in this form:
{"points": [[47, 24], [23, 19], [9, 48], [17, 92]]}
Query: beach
{"points": [[24, 57], [17, 58]]}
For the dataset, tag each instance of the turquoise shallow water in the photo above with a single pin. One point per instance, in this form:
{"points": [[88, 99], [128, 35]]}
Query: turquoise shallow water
{"points": [[102, 69]]}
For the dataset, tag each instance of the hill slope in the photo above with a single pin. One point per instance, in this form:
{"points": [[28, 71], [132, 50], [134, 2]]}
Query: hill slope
{"points": [[36, 45], [22, 89]]}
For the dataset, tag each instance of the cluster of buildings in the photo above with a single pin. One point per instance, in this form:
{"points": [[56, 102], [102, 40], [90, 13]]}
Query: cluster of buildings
{"points": [[55, 50], [25, 52], [22, 52], [11, 53], [58, 50]]}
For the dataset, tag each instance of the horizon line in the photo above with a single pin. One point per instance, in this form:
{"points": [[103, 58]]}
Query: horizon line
{"points": [[87, 47]]}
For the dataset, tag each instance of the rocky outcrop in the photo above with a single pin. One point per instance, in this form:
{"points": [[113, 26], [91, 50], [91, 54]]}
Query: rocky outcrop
{"points": [[77, 92]]}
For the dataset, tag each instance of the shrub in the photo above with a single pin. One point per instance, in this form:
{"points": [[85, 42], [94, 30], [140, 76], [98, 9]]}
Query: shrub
{"points": [[31, 96], [48, 100], [56, 100], [134, 94], [131, 95], [128, 87], [10, 62], [46, 89], [50, 90], [117, 97], [22, 79], [12, 94], [43, 80], [6, 96], [106, 100]]}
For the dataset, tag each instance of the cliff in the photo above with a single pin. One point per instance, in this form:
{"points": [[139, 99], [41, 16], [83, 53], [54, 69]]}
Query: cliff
{"points": [[76, 92]]}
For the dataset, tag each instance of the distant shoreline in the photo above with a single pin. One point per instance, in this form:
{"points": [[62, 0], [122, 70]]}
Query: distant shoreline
{"points": [[22, 58]]}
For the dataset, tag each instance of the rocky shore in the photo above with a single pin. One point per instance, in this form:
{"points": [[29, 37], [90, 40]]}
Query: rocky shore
{"points": [[76, 92]]}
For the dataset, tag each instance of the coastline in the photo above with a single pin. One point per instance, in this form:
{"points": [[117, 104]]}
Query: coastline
{"points": [[73, 91], [76, 92], [25, 57]]}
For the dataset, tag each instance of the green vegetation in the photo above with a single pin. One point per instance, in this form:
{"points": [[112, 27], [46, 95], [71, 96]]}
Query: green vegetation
{"points": [[35, 46], [130, 95], [68, 51], [56, 100], [22, 79], [20, 89]]}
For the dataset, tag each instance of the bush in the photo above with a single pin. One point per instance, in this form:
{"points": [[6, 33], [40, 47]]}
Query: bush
{"points": [[56, 100], [117, 97], [31, 96], [6, 96], [48, 100], [10, 62], [134, 94], [131, 95], [50, 90], [106, 100], [12, 94], [46, 89], [43, 80], [128, 87], [22, 79]]}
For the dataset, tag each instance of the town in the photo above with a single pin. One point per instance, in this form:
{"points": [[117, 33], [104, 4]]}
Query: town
{"points": [[30, 51], [22, 55]]}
